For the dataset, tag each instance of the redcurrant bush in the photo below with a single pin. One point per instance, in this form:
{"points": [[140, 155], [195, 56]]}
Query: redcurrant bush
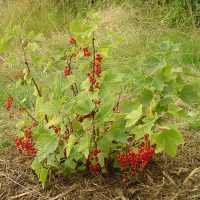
{"points": [[85, 118]]}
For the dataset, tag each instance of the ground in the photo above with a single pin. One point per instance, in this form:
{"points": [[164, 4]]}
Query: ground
{"points": [[164, 179]]}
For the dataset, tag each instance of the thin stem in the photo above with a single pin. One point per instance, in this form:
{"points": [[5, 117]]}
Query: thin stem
{"points": [[94, 132], [70, 125], [33, 80], [29, 71], [93, 124], [69, 65], [22, 107], [94, 54]]}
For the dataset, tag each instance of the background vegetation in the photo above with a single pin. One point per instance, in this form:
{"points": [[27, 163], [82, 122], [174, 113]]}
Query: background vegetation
{"points": [[142, 23]]}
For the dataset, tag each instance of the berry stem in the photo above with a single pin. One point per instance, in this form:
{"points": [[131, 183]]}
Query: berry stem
{"points": [[93, 125], [70, 125], [75, 85], [94, 55], [33, 80], [22, 107]]}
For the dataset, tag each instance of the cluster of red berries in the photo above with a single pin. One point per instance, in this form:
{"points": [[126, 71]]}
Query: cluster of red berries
{"points": [[72, 41], [95, 66], [96, 72], [139, 160], [8, 103], [67, 71], [91, 79], [56, 129], [87, 116], [86, 52], [92, 160], [97, 69], [99, 58], [24, 143], [122, 159]]}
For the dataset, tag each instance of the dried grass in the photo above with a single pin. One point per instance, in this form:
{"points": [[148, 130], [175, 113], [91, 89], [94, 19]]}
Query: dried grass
{"points": [[164, 179]]}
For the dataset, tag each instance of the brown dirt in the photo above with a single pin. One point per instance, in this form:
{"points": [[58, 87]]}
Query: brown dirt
{"points": [[164, 179]]}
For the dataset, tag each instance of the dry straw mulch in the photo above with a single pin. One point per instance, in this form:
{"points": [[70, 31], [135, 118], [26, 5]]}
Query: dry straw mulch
{"points": [[165, 178]]}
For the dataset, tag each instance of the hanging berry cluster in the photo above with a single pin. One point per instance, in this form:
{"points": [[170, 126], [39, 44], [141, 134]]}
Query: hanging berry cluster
{"points": [[72, 41], [92, 160], [86, 52], [24, 143], [137, 162], [8, 103], [95, 66], [56, 129], [67, 71], [95, 72]]}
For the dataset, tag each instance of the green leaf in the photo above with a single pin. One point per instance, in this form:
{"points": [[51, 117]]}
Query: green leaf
{"points": [[70, 144], [175, 111], [56, 120], [51, 160], [133, 116], [75, 155], [46, 144], [36, 132], [70, 164], [110, 83], [104, 114], [41, 172], [146, 97], [140, 130], [169, 46], [43, 176], [36, 166], [84, 106], [101, 158], [126, 106], [50, 107], [168, 140], [170, 88], [105, 144], [84, 144], [188, 94], [153, 64], [158, 82], [119, 136], [68, 81], [118, 132]]}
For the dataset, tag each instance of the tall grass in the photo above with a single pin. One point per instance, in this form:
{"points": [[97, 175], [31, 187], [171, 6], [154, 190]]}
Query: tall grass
{"points": [[143, 24]]}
